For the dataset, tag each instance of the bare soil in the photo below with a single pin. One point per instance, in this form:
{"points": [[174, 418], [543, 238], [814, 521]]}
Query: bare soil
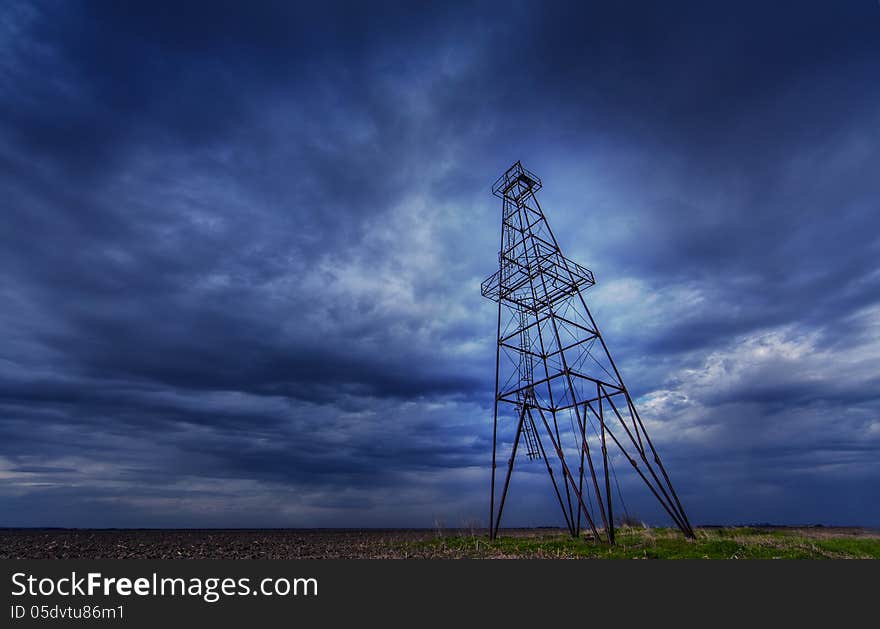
{"points": [[206, 544]]}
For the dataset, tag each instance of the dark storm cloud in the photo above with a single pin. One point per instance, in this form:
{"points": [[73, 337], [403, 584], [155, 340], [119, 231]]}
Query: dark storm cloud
{"points": [[241, 250]]}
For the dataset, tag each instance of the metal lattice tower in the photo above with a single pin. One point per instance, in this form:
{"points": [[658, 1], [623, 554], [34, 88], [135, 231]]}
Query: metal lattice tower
{"points": [[555, 376]]}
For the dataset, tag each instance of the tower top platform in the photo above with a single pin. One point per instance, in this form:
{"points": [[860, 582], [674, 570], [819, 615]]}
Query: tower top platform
{"points": [[515, 181]]}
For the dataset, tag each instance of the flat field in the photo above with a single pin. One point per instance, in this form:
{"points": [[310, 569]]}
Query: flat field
{"points": [[765, 542]]}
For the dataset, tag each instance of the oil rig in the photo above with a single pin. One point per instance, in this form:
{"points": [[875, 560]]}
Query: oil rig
{"points": [[555, 377]]}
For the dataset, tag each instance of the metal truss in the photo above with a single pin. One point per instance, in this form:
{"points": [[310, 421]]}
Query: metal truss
{"points": [[555, 376]]}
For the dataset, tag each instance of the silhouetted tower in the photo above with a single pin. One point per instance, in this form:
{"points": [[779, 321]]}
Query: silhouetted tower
{"points": [[555, 376]]}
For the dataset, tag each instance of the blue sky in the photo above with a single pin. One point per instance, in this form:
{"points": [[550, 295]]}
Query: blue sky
{"points": [[242, 244]]}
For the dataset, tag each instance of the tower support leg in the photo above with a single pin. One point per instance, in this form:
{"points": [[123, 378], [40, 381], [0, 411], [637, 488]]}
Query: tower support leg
{"points": [[510, 462]]}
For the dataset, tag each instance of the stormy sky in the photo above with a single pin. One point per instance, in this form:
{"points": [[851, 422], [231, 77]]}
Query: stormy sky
{"points": [[241, 247]]}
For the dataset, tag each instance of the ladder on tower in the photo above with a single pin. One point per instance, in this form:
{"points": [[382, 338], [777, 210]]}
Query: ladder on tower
{"points": [[526, 397]]}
